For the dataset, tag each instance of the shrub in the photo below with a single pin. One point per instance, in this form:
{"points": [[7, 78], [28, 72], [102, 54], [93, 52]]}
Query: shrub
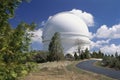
{"points": [[40, 57], [111, 61], [69, 57]]}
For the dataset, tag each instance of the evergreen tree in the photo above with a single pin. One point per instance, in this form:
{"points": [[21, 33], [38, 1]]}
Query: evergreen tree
{"points": [[100, 54], [87, 53], [76, 56], [78, 44], [94, 54], [55, 48], [81, 56], [116, 55]]}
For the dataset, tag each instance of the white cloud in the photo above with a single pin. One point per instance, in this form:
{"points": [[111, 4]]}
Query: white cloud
{"points": [[105, 47], [99, 43], [49, 17], [105, 32], [109, 33], [110, 49], [87, 17], [91, 35], [37, 35], [42, 23]]}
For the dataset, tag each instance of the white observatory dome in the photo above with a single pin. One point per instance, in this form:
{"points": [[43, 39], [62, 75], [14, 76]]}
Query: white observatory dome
{"points": [[71, 28]]}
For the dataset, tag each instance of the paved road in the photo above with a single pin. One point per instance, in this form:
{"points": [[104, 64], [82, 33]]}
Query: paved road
{"points": [[88, 65]]}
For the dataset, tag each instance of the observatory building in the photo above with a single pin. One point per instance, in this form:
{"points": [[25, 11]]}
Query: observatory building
{"points": [[73, 31]]}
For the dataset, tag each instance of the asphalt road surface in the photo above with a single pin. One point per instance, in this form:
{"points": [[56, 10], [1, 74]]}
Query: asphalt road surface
{"points": [[88, 65]]}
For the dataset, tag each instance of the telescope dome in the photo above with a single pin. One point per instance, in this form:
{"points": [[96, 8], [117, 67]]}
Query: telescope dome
{"points": [[71, 28]]}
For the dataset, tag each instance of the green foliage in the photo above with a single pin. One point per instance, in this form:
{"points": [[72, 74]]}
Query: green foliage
{"points": [[55, 48], [69, 57], [14, 53], [40, 57], [14, 44], [106, 60], [98, 54], [86, 54], [76, 56], [111, 61], [94, 54], [81, 56], [13, 71], [117, 64], [15, 41], [7, 9], [116, 55]]}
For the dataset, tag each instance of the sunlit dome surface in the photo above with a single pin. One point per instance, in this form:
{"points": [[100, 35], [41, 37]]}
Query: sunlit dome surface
{"points": [[70, 27]]}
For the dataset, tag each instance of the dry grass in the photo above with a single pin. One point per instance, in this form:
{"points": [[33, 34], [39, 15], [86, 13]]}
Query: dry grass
{"points": [[64, 70]]}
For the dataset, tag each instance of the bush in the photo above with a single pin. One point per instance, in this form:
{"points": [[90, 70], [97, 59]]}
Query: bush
{"points": [[40, 57], [117, 64], [15, 71], [69, 57], [111, 61]]}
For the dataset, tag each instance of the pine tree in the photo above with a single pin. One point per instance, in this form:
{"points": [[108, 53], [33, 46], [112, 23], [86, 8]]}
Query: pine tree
{"points": [[116, 55], [76, 56], [55, 48], [81, 56], [87, 53], [78, 44], [94, 54], [100, 54]]}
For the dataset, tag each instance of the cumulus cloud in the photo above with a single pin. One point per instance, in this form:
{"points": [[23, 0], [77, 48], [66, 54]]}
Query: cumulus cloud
{"points": [[37, 35], [105, 32], [42, 23], [105, 47], [99, 43], [87, 17], [91, 35], [111, 49]]}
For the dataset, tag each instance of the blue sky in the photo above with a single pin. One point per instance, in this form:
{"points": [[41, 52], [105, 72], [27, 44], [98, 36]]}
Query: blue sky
{"points": [[106, 15]]}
